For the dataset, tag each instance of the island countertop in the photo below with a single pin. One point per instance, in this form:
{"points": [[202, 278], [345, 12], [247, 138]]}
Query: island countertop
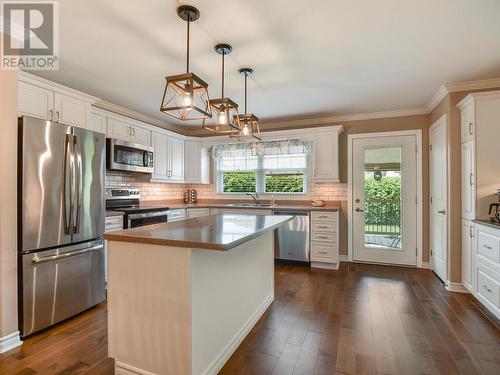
{"points": [[216, 232]]}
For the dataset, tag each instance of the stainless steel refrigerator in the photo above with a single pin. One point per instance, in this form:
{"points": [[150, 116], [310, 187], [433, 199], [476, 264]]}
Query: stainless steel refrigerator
{"points": [[60, 222]]}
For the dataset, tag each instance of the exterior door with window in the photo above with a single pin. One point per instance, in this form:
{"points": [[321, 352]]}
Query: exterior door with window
{"points": [[384, 176]]}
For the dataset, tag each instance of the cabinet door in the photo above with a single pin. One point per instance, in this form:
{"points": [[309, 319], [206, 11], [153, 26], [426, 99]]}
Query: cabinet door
{"points": [[197, 212], [71, 111], [176, 162], [119, 130], [467, 254], [326, 163], [98, 123], [160, 145], [468, 181], [192, 159], [467, 122], [141, 135], [35, 101]]}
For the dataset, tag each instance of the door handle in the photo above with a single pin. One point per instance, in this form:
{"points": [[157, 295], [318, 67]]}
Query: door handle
{"points": [[37, 260], [442, 212], [79, 187], [67, 184], [359, 210]]}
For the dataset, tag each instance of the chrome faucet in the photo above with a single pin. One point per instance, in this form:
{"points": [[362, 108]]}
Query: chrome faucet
{"points": [[255, 197]]}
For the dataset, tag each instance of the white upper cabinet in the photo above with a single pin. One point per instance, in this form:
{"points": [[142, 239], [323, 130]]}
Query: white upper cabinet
{"points": [[98, 122], [40, 98], [176, 156], [196, 163], [168, 158], [467, 121], [326, 157], [71, 111], [127, 131], [35, 101]]}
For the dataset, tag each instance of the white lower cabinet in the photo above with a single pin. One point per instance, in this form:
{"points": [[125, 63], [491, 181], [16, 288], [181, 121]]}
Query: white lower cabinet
{"points": [[197, 212], [176, 214], [324, 240], [111, 224], [468, 254], [486, 267], [214, 211]]}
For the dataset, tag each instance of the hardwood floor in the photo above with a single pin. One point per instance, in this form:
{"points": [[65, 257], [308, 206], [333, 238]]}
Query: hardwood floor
{"points": [[362, 319]]}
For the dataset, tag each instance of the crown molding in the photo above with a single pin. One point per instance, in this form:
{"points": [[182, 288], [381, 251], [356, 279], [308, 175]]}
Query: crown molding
{"points": [[103, 104], [328, 120], [445, 89]]}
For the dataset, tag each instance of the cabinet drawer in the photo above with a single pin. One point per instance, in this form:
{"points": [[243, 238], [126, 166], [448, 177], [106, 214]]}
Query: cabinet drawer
{"points": [[323, 216], [113, 221], [488, 246], [177, 214], [324, 237], [323, 252], [324, 227], [197, 212], [488, 287]]}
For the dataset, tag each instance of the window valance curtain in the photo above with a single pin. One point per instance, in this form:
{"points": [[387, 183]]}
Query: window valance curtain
{"points": [[279, 147]]}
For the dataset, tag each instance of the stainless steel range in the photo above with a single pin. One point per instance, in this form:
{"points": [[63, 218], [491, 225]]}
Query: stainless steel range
{"points": [[61, 222], [136, 214]]}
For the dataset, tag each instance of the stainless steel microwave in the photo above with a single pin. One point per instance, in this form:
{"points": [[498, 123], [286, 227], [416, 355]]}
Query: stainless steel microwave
{"points": [[128, 156]]}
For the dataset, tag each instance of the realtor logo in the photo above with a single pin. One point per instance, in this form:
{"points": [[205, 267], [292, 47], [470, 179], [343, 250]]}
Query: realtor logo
{"points": [[30, 39]]}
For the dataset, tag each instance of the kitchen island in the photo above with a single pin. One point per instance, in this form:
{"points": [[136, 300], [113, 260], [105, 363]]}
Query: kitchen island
{"points": [[183, 295]]}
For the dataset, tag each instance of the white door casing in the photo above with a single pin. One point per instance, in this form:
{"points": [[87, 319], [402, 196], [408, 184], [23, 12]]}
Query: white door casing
{"points": [[439, 198], [404, 248]]}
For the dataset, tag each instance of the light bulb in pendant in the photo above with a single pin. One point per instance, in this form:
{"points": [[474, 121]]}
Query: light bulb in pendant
{"points": [[222, 118], [186, 100], [245, 130]]}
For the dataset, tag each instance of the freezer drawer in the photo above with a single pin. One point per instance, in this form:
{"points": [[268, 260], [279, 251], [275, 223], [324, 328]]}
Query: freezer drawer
{"points": [[59, 283]]}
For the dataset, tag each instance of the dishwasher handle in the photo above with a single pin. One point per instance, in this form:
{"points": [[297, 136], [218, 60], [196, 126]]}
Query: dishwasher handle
{"points": [[291, 213]]}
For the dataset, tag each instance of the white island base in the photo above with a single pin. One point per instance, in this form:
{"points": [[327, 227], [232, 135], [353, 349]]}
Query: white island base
{"points": [[177, 310]]}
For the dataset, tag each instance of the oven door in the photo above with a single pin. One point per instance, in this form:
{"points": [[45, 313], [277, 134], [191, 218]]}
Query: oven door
{"points": [[146, 218], [128, 156]]}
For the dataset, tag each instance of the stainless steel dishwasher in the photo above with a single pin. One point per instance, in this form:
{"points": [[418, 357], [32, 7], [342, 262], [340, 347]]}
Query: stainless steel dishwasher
{"points": [[293, 237]]}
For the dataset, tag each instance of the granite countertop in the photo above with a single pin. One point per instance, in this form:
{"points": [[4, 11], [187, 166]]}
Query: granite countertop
{"points": [[487, 222], [114, 213], [217, 232], [283, 205]]}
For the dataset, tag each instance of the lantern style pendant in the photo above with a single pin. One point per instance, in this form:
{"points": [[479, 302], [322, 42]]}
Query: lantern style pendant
{"points": [[186, 95], [249, 123], [225, 117]]}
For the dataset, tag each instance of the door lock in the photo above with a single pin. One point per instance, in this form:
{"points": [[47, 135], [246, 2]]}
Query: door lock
{"points": [[359, 210]]}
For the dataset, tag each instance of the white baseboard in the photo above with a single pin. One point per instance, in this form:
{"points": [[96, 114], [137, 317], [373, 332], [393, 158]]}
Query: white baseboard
{"points": [[343, 258], [124, 369], [456, 287], [426, 265], [326, 266], [9, 342]]}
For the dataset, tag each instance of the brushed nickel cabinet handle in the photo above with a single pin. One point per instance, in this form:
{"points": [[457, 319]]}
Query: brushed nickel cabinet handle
{"points": [[488, 247], [487, 289]]}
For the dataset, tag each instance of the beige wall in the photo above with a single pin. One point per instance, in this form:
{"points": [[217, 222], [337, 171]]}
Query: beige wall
{"points": [[448, 106], [8, 203]]}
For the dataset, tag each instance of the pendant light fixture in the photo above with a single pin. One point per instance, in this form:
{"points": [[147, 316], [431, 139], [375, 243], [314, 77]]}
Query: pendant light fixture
{"points": [[186, 95], [249, 123], [225, 117]]}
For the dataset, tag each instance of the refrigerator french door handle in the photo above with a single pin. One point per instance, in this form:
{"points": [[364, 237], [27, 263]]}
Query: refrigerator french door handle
{"points": [[78, 186], [67, 180]]}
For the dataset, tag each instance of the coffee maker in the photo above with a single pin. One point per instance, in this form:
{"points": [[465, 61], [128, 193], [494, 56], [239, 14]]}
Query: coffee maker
{"points": [[495, 210]]}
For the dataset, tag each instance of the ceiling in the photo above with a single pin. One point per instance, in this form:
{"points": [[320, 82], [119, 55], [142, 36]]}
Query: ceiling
{"points": [[311, 58]]}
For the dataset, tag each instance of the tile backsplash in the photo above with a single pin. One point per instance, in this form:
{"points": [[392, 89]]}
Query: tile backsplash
{"points": [[158, 191]]}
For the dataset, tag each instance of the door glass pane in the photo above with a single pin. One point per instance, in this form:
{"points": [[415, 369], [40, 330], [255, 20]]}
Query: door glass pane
{"points": [[383, 197]]}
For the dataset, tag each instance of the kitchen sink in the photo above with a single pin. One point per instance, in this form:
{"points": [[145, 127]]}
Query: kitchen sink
{"points": [[252, 205]]}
